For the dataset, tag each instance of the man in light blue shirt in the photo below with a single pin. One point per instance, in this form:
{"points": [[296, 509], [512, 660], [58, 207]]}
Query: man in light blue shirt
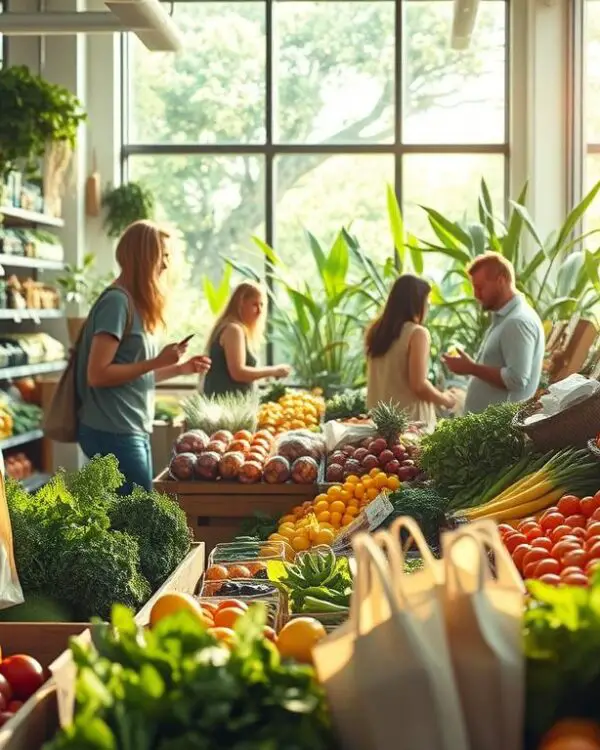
{"points": [[509, 364]]}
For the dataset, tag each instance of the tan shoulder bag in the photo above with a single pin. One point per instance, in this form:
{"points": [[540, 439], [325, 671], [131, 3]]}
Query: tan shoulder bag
{"points": [[60, 421]]}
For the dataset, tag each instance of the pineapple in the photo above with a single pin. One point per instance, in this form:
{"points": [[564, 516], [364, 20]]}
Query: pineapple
{"points": [[390, 420], [231, 411]]}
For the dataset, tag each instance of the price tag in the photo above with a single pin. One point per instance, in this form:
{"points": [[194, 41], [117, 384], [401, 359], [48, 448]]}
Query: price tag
{"points": [[377, 511]]}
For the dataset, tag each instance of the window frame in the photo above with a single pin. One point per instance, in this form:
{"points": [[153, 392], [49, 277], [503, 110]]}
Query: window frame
{"points": [[270, 149]]}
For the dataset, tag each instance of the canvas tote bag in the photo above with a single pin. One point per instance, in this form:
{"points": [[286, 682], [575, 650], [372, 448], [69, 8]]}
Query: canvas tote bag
{"points": [[60, 421], [376, 668], [484, 621]]}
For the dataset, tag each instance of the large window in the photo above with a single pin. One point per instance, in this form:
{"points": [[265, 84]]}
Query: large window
{"points": [[281, 115], [591, 101]]}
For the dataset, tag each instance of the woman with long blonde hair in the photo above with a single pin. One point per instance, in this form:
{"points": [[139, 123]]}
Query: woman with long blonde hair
{"points": [[117, 359], [234, 342]]}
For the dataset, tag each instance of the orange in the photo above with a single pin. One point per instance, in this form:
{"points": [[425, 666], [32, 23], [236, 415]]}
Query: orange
{"points": [[334, 491], [336, 519], [320, 498], [345, 496], [324, 516], [324, 536], [322, 505], [367, 483], [287, 519], [352, 479], [173, 602], [228, 603], [393, 483], [359, 490], [226, 617], [239, 571], [209, 606], [216, 573], [352, 510], [223, 634], [298, 637], [348, 487], [337, 506], [346, 519], [381, 480], [287, 533], [372, 493], [300, 543], [374, 472], [352, 503], [277, 538]]}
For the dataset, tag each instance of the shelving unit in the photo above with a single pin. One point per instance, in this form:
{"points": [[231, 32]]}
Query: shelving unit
{"points": [[31, 442]]}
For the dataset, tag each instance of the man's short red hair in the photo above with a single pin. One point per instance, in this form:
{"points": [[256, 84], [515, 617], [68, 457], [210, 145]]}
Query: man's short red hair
{"points": [[494, 262]]}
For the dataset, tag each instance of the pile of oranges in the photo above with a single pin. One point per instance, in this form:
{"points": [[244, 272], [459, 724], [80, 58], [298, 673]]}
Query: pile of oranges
{"points": [[319, 521], [294, 411]]}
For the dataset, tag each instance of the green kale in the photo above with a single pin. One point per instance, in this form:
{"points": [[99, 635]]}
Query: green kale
{"points": [[425, 505], [160, 528], [96, 483]]}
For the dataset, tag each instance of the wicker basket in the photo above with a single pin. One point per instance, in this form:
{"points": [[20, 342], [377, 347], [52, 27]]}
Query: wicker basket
{"points": [[573, 427]]}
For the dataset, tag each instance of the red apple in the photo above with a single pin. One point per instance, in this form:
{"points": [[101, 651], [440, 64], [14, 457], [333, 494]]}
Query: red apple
{"points": [[405, 473], [399, 452], [370, 462], [377, 445], [351, 466], [360, 453], [392, 467], [407, 462], [385, 457], [348, 450]]}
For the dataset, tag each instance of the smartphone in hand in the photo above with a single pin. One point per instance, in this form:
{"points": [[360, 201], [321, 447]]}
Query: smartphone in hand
{"points": [[187, 339]]}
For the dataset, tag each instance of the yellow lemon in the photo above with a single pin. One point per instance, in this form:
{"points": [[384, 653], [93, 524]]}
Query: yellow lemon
{"points": [[173, 602], [324, 536], [393, 483], [300, 543]]}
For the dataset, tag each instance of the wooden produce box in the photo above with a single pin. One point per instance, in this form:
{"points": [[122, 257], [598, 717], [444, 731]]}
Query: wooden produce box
{"points": [[37, 721], [216, 510]]}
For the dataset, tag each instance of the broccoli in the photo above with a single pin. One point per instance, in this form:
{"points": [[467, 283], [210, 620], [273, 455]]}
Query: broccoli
{"points": [[423, 504], [160, 528]]}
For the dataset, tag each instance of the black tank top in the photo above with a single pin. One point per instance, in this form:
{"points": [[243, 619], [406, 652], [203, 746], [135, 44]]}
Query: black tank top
{"points": [[218, 380]]}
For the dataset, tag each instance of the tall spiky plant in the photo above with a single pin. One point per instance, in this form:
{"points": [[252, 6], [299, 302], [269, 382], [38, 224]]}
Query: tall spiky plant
{"points": [[390, 420]]}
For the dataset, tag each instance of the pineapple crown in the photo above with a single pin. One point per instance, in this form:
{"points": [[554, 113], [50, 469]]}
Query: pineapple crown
{"points": [[390, 420]]}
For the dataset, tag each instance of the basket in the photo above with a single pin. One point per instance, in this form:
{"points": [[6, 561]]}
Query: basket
{"points": [[572, 427]]}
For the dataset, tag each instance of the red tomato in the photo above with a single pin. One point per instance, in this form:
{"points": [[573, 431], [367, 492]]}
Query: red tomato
{"points": [[578, 533], [576, 521], [534, 555], [512, 541], [4, 717], [568, 505], [550, 578], [534, 534], [505, 528], [14, 706], [592, 567], [588, 505], [518, 554], [562, 546], [24, 674], [593, 529], [551, 520], [549, 565], [529, 570], [573, 577], [593, 549], [559, 532], [575, 557], [527, 524], [551, 509], [5, 688], [596, 514], [542, 541]]}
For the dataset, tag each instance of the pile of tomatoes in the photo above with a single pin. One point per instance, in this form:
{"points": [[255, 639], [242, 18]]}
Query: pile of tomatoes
{"points": [[561, 546], [20, 677]]}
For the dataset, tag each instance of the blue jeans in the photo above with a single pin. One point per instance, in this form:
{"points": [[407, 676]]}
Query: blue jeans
{"points": [[132, 452]]}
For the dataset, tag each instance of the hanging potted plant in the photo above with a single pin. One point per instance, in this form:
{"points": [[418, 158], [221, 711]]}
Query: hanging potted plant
{"points": [[39, 121], [124, 205], [80, 286]]}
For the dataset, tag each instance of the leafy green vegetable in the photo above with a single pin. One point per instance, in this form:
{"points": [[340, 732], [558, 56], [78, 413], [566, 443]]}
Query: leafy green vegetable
{"points": [[425, 505], [348, 403], [67, 550], [160, 528], [562, 642], [177, 688], [475, 445]]}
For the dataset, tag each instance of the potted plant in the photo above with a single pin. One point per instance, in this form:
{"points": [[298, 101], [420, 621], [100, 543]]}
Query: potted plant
{"points": [[124, 205], [81, 286], [39, 121]]}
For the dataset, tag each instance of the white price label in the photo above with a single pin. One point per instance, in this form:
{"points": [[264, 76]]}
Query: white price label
{"points": [[378, 510]]}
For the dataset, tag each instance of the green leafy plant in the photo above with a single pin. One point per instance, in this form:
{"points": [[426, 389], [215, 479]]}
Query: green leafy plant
{"points": [[124, 205], [82, 285], [35, 115], [319, 326]]}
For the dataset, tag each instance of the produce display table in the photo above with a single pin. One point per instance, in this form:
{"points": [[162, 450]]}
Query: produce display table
{"points": [[37, 721], [216, 510]]}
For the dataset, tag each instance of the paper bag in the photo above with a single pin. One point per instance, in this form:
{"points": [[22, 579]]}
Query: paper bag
{"points": [[484, 624], [11, 592], [377, 668]]}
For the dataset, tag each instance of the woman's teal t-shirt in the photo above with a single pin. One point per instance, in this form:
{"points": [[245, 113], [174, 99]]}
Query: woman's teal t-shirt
{"points": [[127, 408]]}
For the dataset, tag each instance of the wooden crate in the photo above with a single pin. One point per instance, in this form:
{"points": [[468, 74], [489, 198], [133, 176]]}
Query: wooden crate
{"points": [[37, 721], [216, 510]]}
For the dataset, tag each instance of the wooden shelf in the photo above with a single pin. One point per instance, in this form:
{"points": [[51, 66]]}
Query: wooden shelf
{"points": [[29, 371], [23, 216], [20, 261], [16, 440], [18, 315]]}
